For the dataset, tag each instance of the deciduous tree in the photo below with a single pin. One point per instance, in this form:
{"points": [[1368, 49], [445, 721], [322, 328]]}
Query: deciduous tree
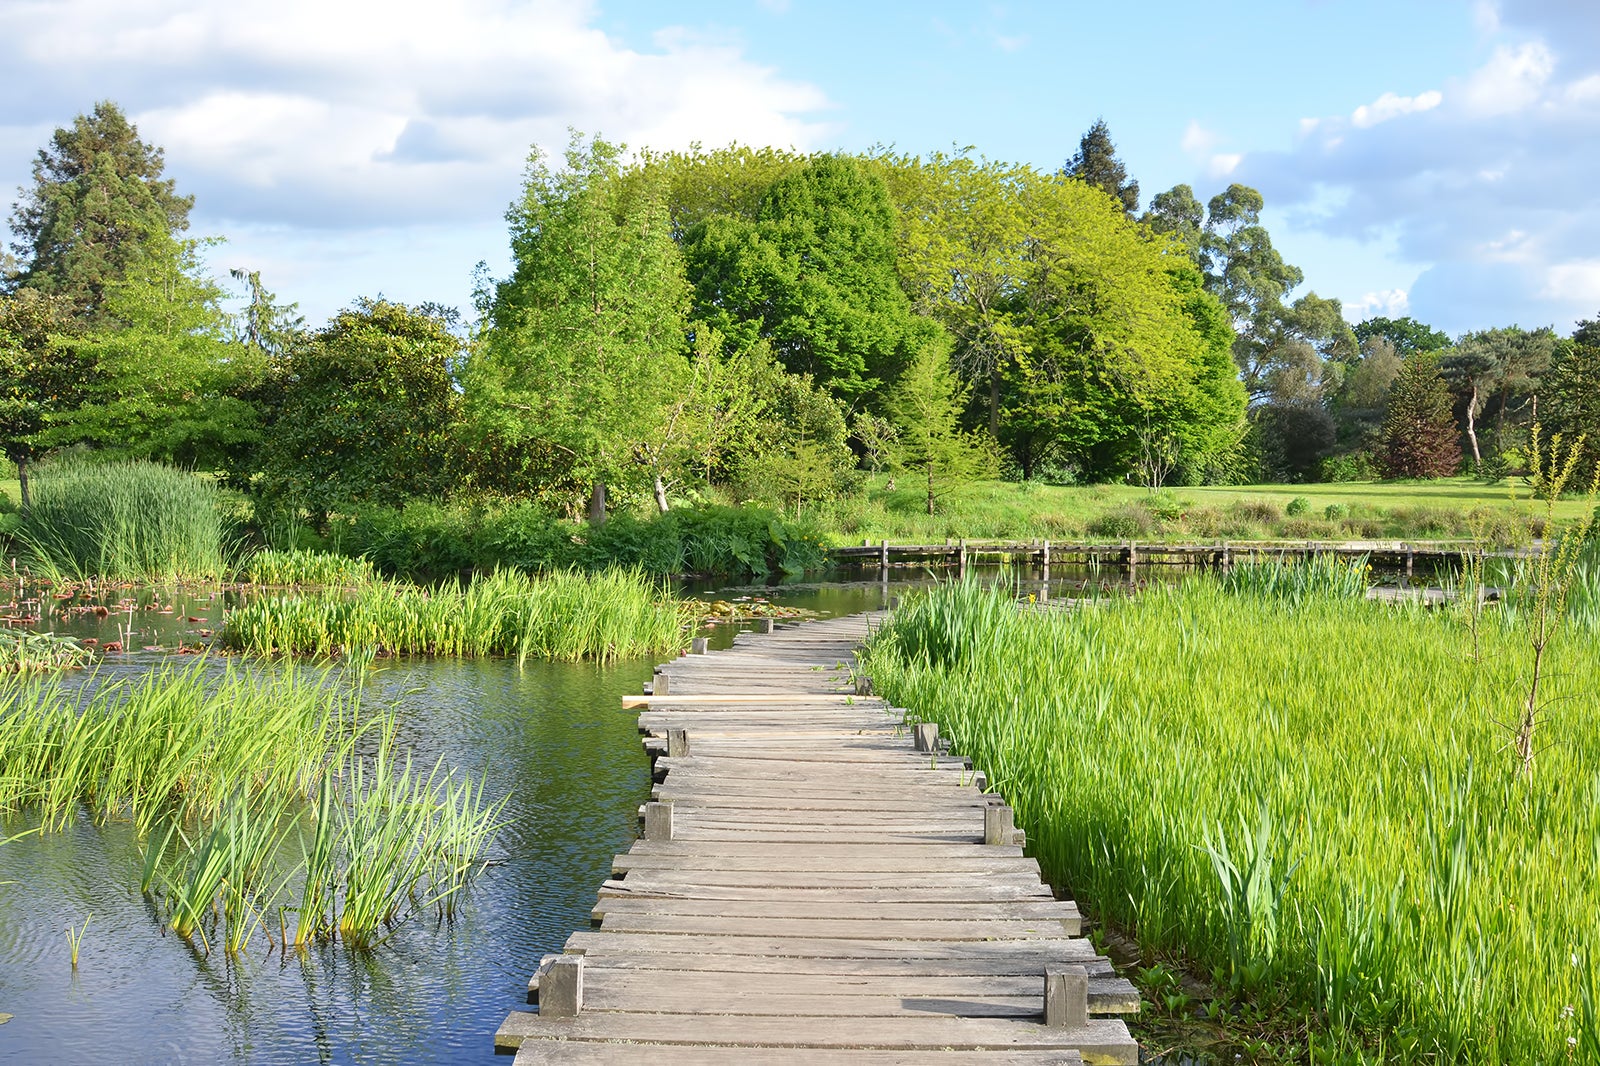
{"points": [[41, 373], [584, 354]]}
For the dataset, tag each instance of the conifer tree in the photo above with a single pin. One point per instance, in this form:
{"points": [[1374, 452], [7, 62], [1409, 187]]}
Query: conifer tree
{"points": [[1096, 164], [98, 205], [1419, 437], [925, 407]]}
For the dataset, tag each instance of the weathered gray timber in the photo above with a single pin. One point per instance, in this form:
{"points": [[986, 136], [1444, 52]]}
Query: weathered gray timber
{"points": [[817, 882]]}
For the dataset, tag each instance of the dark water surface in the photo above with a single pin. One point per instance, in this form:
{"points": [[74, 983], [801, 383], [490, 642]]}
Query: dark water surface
{"points": [[550, 737]]}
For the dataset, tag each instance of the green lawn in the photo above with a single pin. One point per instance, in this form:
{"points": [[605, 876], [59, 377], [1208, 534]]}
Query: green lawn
{"points": [[1445, 509]]}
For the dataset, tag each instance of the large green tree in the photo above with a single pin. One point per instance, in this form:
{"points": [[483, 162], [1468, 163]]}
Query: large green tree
{"points": [[97, 206], [1572, 391], [1096, 164], [362, 410], [1406, 334], [1497, 372], [41, 373], [813, 276], [164, 381], [585, 348], [1419, 436]]}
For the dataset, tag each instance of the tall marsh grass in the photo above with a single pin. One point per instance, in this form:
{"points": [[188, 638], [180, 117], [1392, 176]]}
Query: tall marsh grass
{"points": [[124, 522], [302, 567], [219, 774], [562, 616], [1313, 797]]}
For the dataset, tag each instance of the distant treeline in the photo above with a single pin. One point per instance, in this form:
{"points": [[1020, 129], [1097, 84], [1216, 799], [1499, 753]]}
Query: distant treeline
{"points": [[748, 324]]}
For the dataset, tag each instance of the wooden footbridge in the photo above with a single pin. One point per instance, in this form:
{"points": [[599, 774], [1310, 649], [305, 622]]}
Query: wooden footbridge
{"points": [[817, 883]]}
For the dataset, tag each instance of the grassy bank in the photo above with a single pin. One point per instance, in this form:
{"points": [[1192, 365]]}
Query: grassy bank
{"points": [[562, 616], [1456, 507], [268, 805], [1311, 798]]}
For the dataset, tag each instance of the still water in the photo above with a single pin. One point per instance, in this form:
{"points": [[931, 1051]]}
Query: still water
{"points": [[549, 737]]}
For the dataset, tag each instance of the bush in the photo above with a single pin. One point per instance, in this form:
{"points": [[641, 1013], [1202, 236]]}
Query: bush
{"points": [[1357, 466], [1297, 507], [1336, 511], [1257, 511], [419, 541], [125, 521], [1127, 522]]}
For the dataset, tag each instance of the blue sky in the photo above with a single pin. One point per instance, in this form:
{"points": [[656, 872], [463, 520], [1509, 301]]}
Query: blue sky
{"points": [[1417, 156]]}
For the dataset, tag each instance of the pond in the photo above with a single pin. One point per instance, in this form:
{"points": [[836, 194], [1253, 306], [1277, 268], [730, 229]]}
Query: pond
{"points": [[550, 737]]}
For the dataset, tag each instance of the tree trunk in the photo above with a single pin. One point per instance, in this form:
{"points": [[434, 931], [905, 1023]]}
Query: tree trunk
{"points": [[661, 495], [930, 488], [994, 402], [597, 504], [1472, 427], [22, 479]]}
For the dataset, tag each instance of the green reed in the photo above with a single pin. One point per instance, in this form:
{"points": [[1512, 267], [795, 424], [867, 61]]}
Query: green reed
{"points": [[300, 567], [1313, 797], [219, 773], [124, 522], [562, 616], [26, 652]]}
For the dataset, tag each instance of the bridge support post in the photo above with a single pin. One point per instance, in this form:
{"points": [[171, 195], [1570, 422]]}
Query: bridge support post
{"points": [[677, 743], [659, 685], [925, 736], [699, 645], [1066, 997], [561, 987], [658, 821], [999, 825]]}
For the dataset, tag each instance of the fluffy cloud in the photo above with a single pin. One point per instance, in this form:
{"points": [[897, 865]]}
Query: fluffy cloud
{"points": [[364, 113], [1489, 176]]}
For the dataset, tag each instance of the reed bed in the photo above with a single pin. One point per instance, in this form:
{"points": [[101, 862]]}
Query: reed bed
{"points": [[25, 652], [301, 567], [1313, 798], [563, 616], [220, 774], [127, 521]]}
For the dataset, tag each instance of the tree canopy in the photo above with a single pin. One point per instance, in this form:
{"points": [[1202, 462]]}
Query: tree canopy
{"points": [[97, 206]]}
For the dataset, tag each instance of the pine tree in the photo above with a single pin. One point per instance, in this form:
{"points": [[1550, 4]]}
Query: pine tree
{"points": [[1096, 164], [1572, 388], [1419, 437], [97, 206]]}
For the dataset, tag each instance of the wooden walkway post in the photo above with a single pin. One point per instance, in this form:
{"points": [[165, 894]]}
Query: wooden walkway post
{"points": [[561, 987], [1066, 997]]}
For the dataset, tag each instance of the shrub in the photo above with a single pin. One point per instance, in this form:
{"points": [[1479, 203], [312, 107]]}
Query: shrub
{"points": [[1297, 507], [1126, 522], [419, 541], [124, 521], [1256, 510], [1309, 529], [1336, 511]]}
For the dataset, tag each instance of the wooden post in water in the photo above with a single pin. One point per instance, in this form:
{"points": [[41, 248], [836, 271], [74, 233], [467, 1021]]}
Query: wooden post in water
{"points": [[561, 988], [961, 557], [767, 624], [999, 825], [925, 736], [659, 685], [677, 743], [1411, 558], [883, 556], [1066, 997], [658, 821], [699, 645]]}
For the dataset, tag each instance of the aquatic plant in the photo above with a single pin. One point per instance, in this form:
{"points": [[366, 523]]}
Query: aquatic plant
{"points": [[1310, 798], [301, 567], [562, 616], [23, 652], [124, 521]]}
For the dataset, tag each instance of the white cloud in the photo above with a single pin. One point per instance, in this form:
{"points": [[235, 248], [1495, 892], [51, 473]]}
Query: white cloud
{"points": [[1388, 303], [1390, 106], [1225, 163], [1486, 183], [1512, 80], [1574, 282], [1197, 140], [384, 111]]}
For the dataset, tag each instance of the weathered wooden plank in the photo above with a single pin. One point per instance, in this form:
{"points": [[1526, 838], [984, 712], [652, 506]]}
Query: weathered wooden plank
{"points": [[541, 1052], [1022, 961], [847, 928], [936, 912], [1100, 1041], [931, 946], [887, 860]]}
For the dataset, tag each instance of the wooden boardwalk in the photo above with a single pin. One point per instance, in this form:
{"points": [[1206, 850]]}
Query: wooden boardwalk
{"points": [[812, 889]]}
